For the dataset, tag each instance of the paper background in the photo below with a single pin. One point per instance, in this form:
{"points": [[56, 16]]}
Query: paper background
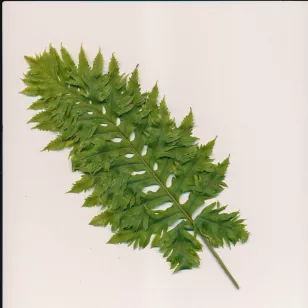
{"points": [[243, 68]]}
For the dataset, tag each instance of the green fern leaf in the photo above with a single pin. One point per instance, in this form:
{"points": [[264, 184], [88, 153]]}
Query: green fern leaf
{"points": [[127, 146]]}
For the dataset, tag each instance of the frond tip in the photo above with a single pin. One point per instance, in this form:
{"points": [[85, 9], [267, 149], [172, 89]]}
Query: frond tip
{"points": [[95, 114]]}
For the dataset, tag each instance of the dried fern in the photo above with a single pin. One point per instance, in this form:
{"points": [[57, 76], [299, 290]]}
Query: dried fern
{"points": [[124, 141]]}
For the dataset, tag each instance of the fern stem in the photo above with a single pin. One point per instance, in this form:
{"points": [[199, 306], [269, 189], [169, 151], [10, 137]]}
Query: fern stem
{"points": [[219, 260], [188, 217]]}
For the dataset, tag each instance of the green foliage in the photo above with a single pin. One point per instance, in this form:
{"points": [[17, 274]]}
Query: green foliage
{"points": [[108, 123]]}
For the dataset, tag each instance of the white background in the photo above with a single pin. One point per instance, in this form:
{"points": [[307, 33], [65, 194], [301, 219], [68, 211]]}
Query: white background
{"points": [[243, 68]]}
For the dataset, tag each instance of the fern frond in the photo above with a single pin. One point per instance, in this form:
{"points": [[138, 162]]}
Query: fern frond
{"points": [[124, 142]]}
